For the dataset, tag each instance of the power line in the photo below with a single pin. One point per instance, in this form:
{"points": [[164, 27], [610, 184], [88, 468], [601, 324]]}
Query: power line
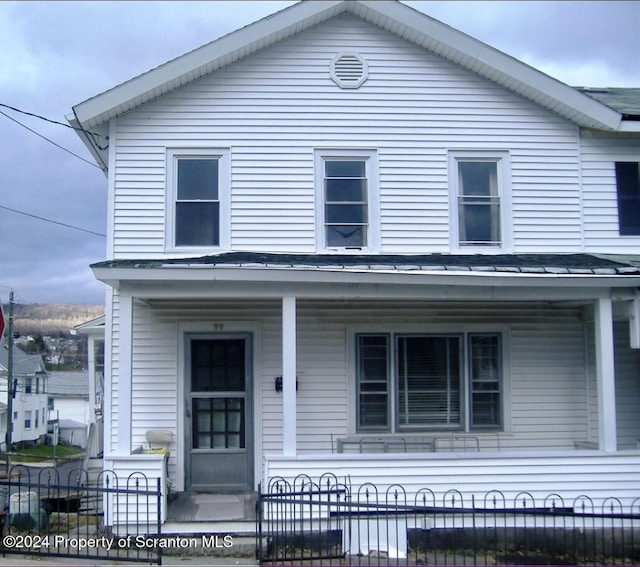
{"points": [[47, 119], [52, 221], [94, 135], [48, 140]]}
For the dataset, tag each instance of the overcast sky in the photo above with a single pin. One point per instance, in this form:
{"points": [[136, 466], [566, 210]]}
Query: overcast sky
{"points": [[54, 55]]}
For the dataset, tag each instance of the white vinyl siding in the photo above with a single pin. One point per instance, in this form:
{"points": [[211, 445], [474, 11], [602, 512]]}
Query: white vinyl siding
{"points": [[276, 107], [600, 202]]}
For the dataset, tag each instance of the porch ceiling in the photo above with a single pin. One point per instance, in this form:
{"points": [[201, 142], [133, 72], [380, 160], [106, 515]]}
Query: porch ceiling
{"points": [[437, 276]]}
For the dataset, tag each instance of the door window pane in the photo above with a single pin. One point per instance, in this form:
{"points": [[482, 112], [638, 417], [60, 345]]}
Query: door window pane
{"points": [[218, 365], [218, 423]]}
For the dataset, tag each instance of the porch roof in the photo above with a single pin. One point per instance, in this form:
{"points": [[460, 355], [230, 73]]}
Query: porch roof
{"points": [[258, 274], [551, 264]]}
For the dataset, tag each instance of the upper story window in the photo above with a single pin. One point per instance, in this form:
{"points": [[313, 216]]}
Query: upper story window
{"points": [[347, 199], [199, 199], [628, 186], [480, 206]]}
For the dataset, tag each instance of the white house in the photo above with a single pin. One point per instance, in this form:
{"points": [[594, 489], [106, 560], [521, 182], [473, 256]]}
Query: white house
{"points": [[69, 406], [348, 238], [29, 398], [94, 331]]}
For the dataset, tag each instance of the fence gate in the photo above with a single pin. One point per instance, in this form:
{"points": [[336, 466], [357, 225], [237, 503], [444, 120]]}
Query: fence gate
{"points": [[58, 513]]}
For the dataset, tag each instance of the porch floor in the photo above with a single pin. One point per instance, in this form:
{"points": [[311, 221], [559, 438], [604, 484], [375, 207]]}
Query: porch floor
{"points": [[211, 507]]}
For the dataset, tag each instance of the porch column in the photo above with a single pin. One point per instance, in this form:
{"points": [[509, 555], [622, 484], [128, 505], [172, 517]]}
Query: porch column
{"points": [[605, 375], [125, 342], [289, 337]]}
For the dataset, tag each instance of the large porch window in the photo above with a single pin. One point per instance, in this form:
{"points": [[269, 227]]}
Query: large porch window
{"points": [[417, 382]]}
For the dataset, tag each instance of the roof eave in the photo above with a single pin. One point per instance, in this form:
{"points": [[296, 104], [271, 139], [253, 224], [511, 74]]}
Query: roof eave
{"points": [[498, 67], [116, 276], [205, 60]]}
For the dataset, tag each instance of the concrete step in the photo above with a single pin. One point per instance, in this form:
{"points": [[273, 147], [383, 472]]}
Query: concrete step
{"points": [[211, 507]]}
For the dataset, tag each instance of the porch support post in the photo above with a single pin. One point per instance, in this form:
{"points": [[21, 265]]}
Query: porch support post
{"points": [[125, 375], [91, 368], [605, 375], [289, 365]]}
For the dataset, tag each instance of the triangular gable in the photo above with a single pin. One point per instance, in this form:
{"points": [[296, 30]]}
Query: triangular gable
{"points": [[391, 15]]}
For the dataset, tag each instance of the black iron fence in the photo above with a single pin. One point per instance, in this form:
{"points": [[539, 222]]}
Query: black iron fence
{"points": [[329, 522], [61, 513]]}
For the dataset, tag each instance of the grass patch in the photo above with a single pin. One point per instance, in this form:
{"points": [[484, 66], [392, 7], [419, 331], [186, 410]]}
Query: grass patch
{"points": [[38, 453]]}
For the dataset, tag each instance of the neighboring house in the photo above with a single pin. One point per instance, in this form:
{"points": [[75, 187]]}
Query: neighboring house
{"points": [[69, 406], [349, 238], [29, 400], [68, 396]]}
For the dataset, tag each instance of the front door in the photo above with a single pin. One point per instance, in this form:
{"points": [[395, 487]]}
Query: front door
{"points": [[218, 413]]}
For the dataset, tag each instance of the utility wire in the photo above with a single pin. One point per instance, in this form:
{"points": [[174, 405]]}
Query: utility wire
{"points": [[94, 135], [48, 140], [52, 221], [46, 119]]}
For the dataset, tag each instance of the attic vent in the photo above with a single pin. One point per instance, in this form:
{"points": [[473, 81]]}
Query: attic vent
{"points": [[349, 70]]}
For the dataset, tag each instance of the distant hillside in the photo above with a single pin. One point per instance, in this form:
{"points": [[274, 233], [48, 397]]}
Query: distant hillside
{"points": [[51, 319]]}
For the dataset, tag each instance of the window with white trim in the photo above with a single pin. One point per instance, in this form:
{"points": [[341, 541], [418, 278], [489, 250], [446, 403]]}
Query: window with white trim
{"points": [[347, 200], [198, 199], [27, 419], [416, 382], [480, 205]]}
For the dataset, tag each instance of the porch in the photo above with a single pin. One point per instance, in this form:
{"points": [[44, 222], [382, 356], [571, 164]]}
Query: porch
{"points": [[521, 376]]}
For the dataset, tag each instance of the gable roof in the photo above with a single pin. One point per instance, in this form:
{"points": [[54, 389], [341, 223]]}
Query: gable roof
{"points": [[68, 385], [391, 15], [93, 327], [23, 364]]}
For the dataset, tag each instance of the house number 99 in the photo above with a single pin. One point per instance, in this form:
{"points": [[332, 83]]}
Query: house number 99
{"points": [[218, 326]]}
